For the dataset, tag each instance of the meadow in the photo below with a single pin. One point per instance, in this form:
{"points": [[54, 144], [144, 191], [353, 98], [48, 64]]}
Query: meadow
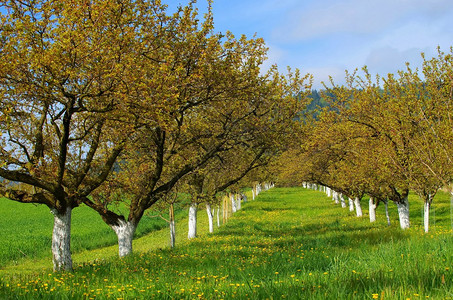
{"points": [[290, 243], [26, 230]]}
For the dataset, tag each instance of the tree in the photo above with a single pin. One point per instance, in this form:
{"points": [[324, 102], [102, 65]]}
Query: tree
{"points": [[64, 69], [218, 100]]}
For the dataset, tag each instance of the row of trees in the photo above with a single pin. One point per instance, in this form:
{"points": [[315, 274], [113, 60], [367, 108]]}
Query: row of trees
{"points": [[113, 104], [382, 136]]}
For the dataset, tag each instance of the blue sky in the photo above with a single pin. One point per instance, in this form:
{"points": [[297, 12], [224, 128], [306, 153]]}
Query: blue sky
{"points": [[327, 37]]}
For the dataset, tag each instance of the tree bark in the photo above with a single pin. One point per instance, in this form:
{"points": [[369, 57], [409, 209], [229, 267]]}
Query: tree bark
{"points": [[343, 202], [403, 212], [218, 215], [172, 226], [387, 215], [61, 241], [192, 221], [238, 201], [372, 210], [351, 204], [358, 207], [225, 208], [210, 217], [427, 206], [335, 197], [125, 231], [233, 203]]}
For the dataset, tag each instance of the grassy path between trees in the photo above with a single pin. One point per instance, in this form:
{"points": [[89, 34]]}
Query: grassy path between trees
{"points": [[290, 243]]}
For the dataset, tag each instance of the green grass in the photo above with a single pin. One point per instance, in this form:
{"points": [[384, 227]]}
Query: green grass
{"points": [[290, 243], [26, 231]]}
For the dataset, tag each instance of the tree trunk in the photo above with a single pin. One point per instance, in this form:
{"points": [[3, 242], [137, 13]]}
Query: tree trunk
{"points": [[210, 217], [61, 241], [225, 208], [253, 192], [125, 231], [351, 204], [343, 202], [172, 226], [387, 213], [218, 216], [372, 210], [328, 192], [192, 221], [427, 206], [238, 201], [403, 213], [233, 203], [335, 197], [358, 207]]}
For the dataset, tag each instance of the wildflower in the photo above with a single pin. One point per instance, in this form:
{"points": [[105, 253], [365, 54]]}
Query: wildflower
{"points": [[375, 296]]}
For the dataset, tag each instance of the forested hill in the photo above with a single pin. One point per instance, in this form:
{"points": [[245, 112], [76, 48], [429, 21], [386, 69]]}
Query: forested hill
{"points": [[317, 101]]}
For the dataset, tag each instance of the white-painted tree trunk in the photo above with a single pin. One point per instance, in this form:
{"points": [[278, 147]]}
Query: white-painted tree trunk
{"points": [[239, 201], [335, 197], [254, 192], [328, 192], [233, 204], [427, 206], [210, 217], [387, 215], [372, 210], [192, 221], [172, 227], [358, 207], [218, 215], [342, 201], [351, 204], [403, 213], [125, 233], [61, 241]]}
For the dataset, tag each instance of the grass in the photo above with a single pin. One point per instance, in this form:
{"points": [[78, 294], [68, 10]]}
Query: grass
{"points": [[26, 230], [290, 243]]}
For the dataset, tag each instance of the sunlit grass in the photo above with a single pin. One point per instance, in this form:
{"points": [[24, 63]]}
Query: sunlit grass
{"points": [[26, 234], [290, 243]]}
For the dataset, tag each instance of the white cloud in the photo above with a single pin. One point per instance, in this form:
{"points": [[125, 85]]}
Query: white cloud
{"points": [[323, 74], [386, 60], [327, 17], [275, 55]]}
